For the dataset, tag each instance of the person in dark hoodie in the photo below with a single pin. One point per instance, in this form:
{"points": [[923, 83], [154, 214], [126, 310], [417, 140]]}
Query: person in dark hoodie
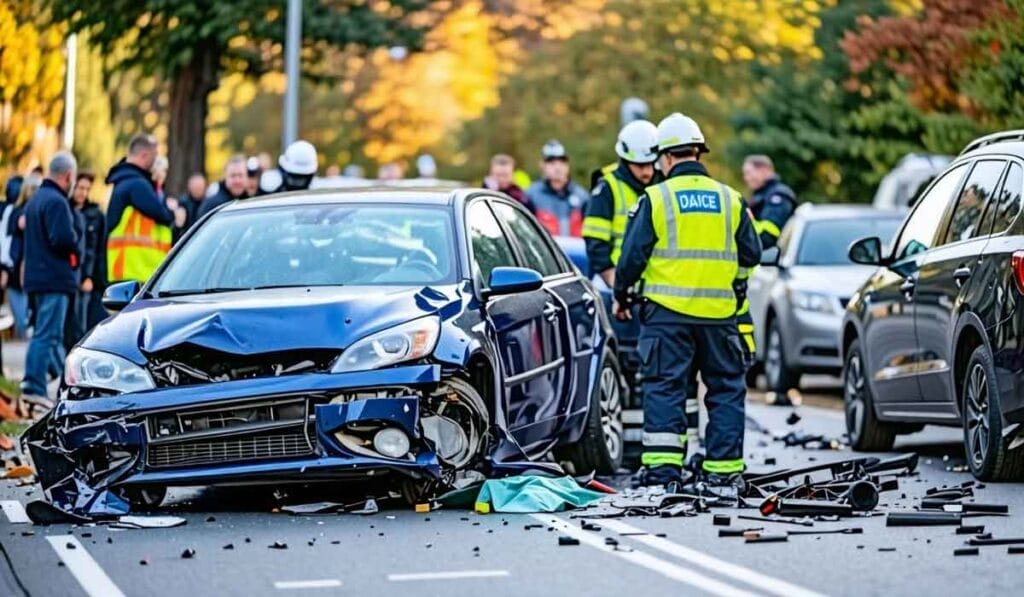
{"points": [[89, 307], [234, 186], [139, 223], [52, 257]]}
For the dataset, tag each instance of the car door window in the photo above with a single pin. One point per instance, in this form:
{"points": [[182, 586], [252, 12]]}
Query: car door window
{"points": [[1003, 210], [979, 188], [490, 247], [919, 232], [536, 252]]}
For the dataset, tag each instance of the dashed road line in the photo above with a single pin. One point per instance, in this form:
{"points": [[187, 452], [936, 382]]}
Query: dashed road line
{"points": [[87, 572], [449, 575], [323, 583], [14, 511], [646, 560], [753, 578]]}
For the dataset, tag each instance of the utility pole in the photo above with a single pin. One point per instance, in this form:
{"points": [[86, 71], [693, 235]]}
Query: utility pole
{"points": [[293, 41], [69, 91]]}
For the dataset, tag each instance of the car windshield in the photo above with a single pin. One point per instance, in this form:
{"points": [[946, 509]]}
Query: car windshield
{"points": [[314, 245], [826, 242]]}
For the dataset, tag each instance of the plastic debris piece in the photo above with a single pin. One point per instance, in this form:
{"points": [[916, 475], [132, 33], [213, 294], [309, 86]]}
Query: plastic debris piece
{"points": [[313, 508], [422, 508], [965, 551], [733, 532], [188, 554], [148, 522], [758, 537], [18, 472], [279, 545], [589, 526], [996, 541], [611, 541], [143, 562], [229, 546], [971, 530], [922, 519], [769, 461], [567, 540], [886, 549], [1015, 549], [370, 507], [721, 520], [793, 418], [211, 519]]}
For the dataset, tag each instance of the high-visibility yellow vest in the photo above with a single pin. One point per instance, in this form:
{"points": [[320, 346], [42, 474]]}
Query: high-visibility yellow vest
{"points": [[612, 231], [136, 246], [694, 261]]}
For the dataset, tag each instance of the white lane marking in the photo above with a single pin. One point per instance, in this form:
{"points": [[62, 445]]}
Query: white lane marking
{"points": [[15, 511], [86, 571], [451, 575], [722, 567], [325, 583], [668, 569]]}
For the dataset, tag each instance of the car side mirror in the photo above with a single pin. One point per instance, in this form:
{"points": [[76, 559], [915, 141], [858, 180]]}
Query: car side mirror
{"points": [[866, 251], [117, 296], [512, 280], [770, 257]]}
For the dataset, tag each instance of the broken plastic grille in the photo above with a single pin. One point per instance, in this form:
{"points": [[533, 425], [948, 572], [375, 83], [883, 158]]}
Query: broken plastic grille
{"points": [[263, 446]]}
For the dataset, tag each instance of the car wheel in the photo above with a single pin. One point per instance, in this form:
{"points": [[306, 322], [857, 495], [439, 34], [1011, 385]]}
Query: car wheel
{"points": [[986, 451], [867, 433], [779, 376], [601, 446]]}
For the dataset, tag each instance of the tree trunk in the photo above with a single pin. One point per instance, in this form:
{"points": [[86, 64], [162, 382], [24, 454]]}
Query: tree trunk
{"points": [[190, 90]]}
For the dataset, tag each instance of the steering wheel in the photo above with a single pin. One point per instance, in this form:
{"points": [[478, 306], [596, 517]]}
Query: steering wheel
{"points": [[422, 265]]}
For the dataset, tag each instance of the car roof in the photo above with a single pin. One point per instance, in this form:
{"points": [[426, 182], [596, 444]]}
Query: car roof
{"points": [[833, 211], [1001, 143], [424, 196]]}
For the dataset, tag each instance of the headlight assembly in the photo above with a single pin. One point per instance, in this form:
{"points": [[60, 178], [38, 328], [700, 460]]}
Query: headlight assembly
{"points": [[406, 342], [812, 301], [96, 369]]}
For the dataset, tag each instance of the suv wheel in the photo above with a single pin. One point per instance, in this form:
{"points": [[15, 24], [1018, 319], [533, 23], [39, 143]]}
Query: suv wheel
{"points": [[867, 433], [986, 451], [779, 376], [600, 448]]}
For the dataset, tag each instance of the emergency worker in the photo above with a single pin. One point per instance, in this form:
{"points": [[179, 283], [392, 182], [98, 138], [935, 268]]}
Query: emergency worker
{"points": [[686, 240], [615, 191], [295, 170]]}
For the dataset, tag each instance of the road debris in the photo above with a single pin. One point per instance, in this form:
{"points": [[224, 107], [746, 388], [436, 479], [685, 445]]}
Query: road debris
{"points": [[188, 554], [965, 551], [279, 545], [564, 540]]}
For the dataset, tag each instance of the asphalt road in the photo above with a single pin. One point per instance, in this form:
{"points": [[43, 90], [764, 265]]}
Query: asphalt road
{"points": [[399, 552]]}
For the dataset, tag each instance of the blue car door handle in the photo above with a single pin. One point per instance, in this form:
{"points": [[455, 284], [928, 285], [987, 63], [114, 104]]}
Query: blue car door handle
{"points": [[550, 311], [961, 274]]}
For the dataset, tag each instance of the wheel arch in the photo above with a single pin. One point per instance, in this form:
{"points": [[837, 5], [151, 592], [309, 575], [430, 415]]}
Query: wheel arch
{"points": [[969, 335]]}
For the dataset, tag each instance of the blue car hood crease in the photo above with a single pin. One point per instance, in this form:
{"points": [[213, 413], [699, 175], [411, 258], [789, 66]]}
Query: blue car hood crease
{"points": [[260, 321]]}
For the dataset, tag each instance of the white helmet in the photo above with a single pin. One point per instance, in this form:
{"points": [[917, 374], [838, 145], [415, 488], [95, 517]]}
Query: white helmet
{"points": [[299, 158], [677, 130], [638, 142]]}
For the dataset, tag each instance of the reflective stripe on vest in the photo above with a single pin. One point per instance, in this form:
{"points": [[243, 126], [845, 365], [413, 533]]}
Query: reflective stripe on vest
{"points": [[136, 247], [694, 262], [623, 198]]}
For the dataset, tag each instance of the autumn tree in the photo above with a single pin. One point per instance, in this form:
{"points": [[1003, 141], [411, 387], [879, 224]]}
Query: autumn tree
{"points": [[193, 44], [31, 80]]}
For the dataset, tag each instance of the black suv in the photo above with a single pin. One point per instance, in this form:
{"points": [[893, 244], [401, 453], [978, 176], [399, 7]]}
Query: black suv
{"points": [[936, 335]]}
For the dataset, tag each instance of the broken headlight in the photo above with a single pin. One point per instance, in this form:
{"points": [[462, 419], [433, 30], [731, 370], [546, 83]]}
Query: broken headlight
{"points": [[95, 369], [405, 342]]}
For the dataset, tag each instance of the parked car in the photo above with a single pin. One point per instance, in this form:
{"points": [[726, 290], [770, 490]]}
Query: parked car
{"points": [[936, 335], [332, 335], [904, 183], [798, 306]]}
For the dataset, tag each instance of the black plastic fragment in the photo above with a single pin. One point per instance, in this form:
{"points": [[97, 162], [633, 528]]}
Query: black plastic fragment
{"points": [[278, 545], [188, 554], [995, 541], [922, 519], [567, 540], [965, 551], [766, 538], [229, 546], [1015, 549], [721, 520], [732, 532], [971, 530]]}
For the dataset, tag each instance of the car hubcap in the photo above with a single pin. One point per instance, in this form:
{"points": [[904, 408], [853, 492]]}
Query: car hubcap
{"points": [[773, 358], [611, 412], [853, 392], [976, 402]]}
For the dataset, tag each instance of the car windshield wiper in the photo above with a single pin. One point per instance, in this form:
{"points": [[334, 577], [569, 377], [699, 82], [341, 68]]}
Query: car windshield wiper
{"points": [[188, 291]]}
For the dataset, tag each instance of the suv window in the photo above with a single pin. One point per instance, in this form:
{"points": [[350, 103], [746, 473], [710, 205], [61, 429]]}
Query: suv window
{"points": [[536, 251], [490, 247], [980, 186], [1004, 209], [919, 232]]}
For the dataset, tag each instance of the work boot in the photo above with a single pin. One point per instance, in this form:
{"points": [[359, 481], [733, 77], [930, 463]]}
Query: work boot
{"points": [[725, 487], [659, 475], [772, 398]]}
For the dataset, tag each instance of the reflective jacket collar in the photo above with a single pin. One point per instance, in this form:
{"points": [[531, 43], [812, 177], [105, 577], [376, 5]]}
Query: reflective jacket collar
{"points": [[691, 168], [625, 175]]}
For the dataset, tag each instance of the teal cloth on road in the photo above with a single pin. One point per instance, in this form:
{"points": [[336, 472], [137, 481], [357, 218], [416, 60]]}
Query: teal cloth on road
{"points": [[531, 493]]}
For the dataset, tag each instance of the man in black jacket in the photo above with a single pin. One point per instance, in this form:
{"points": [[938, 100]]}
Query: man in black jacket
{"points": [[52, 256], [233, 187]]}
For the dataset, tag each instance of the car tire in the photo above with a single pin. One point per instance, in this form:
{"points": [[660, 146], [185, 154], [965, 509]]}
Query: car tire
{"points": [[779, 376], [866, 432], [600, 448], [984, 446]]}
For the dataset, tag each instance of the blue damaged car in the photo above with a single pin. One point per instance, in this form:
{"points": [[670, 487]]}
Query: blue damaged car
{"points": [[330, 336]]}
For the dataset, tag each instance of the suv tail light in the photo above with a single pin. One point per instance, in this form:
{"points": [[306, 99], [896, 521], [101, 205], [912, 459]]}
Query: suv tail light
{"points": [[1017, 263]]}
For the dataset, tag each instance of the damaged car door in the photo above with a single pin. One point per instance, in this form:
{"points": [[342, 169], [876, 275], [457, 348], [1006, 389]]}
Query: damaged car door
{"points": [[527, 330]]}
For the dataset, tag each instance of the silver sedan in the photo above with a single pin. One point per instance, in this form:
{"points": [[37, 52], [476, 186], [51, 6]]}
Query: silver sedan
{"points": [[798, 305]]}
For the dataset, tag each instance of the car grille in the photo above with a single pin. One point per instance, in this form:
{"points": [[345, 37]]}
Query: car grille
{"points": [[265, 445]]}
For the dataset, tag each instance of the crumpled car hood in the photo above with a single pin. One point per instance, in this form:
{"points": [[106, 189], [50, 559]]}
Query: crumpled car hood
{"points": [[273, 320]]}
